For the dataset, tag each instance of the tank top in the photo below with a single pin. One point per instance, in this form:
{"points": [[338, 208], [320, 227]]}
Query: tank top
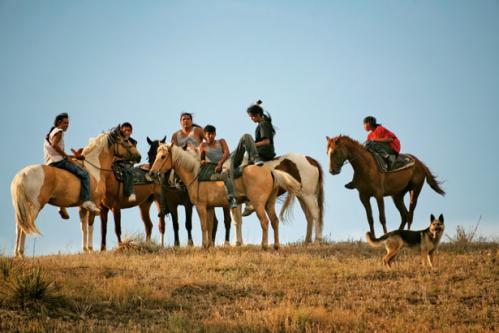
{"points": [[214, 154], [50, 154], [189, 139]]}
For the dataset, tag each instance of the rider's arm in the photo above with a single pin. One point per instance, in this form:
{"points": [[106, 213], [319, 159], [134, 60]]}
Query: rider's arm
{"points": [[202, 150], [225, 148]]}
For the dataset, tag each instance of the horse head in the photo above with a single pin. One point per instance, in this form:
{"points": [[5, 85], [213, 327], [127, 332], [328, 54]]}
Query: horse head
{"points": [[163, 161], [337, 154], [153, 148]]}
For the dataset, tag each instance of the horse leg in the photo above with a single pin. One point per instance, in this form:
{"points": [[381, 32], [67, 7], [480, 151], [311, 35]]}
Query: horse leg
{"points": [[210, 214], [188, 222], [237, 218], [84, 227], [103, 227], [381, 209], [227, 222], [412, 207], [398, 200], [214, 227], [174, 215], [274, 221], [117, 223], [310, 224], [204, 228], [369, 212], [264, 222], [146, 219], [20, 239], [161, 225], [90, 232]]}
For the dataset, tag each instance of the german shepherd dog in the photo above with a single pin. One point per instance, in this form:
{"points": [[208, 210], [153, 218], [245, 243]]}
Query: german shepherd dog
{"points": [[426, 240]]}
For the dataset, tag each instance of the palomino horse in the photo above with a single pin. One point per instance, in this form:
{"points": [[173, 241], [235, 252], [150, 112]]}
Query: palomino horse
{"points": [[370, 182], [257, 184], [36, 185], [115, 200]]}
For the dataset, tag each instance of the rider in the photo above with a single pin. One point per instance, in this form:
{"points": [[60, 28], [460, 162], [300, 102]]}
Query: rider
{"points": [[55, 156], [126, 130], [189, 135], [213, 155], [380, 141], [260, 149]]}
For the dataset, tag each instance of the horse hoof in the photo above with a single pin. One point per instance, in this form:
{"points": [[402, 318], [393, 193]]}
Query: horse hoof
{"points": [[276, 247], [190, 242], [239, 243], [176, 244], [227, 244], [103, 249]]}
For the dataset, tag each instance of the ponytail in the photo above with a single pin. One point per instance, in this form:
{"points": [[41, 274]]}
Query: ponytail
{"points": [[60, 117], [256, 109]]}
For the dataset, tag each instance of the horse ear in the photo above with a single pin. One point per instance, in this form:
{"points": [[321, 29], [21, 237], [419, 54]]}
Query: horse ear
{"points": [[328, 138], [163, 140], [432, 218], [441, 218], [149, 141]]}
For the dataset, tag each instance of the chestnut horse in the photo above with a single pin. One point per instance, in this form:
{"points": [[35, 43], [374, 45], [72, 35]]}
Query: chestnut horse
{"points": [[257, 184], [370, 182], [115, 200], [36, 185]]}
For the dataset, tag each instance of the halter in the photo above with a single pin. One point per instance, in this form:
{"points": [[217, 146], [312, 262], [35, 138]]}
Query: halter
{"points": [[114, 142], [174, 163]]}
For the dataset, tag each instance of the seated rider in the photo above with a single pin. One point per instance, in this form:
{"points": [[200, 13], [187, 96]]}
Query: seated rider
{"points": [[260, 149], [128, 190], [189, 135], [380, 141], [214, 153], [55, 156]]}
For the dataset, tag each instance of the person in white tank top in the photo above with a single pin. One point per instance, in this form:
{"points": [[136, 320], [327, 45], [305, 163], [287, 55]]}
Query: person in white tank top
{"points": [[55, 156]]}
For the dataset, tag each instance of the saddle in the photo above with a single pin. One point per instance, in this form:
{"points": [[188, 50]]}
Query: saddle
{"points": [[140, 174], [396, 162]]}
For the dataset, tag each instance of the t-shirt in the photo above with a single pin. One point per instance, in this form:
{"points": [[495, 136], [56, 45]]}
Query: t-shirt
{"points": [[382, 133], [264, 131], [50, 154]]}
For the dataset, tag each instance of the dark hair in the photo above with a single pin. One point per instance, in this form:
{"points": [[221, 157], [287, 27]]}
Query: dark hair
{"points": [[210, 129], [60, 117], [257, 110], [126, 124], [186, 114], [371, 121]]}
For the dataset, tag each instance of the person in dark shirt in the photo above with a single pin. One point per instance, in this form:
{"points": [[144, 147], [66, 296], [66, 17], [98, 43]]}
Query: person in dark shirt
{"points": [[260, 149]]}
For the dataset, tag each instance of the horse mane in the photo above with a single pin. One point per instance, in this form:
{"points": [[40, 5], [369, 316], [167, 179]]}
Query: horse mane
{"points": [[185, 159], [94, 143]]}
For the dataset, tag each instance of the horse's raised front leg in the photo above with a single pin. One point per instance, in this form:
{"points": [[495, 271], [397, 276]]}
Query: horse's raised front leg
{"points": [[103, 227], [367, 206], [145, 206], [381, 210]]}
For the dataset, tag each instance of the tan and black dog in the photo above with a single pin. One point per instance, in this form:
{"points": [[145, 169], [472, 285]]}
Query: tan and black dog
{"points": [[426, 240]]}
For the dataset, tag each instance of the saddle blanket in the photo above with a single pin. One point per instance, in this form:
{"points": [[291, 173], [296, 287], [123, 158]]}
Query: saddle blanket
{"points": [[140, 176], [402, 161]]}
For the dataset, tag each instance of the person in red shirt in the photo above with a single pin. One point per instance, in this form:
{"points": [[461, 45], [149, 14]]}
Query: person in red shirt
{"points": [[380, 141]]}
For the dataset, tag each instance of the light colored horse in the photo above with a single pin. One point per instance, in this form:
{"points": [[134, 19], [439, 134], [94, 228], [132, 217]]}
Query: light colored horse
{"points": [[257, 184], [36, 185]]}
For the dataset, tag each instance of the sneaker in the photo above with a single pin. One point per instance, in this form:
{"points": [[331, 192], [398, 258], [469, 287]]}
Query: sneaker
{"points": [[248, 210], [132, 197], [91, 207], [64, 213], [350, 186], [232, 202]]}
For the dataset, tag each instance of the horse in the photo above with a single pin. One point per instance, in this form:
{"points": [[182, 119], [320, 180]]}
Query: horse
{"points": [[176, 196], [257, 184], [115, 200], [370, 182], [36, 185]]}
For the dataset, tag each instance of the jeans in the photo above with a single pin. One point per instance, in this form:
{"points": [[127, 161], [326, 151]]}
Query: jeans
{"points": [[246, 144], [383, 150], [78, 172]]}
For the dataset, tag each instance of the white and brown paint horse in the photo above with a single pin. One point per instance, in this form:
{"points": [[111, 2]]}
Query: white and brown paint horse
{"points": [[259, 185], [36, 185]]}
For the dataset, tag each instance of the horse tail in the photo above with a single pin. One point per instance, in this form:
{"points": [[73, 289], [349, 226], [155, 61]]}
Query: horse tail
{"points": [[26, 210], [320, 195], [374, 242], [287, 182], [432, 180]]}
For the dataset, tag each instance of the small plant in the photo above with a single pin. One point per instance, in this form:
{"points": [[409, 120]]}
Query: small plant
{"points": [[465, 236], [137, 245]]}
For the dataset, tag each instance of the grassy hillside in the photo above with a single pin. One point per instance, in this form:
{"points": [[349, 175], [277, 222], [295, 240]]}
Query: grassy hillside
{"points": [[321, 288]]}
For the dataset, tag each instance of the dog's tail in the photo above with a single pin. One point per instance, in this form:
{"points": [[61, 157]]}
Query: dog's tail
{"points": [[374, 242]]}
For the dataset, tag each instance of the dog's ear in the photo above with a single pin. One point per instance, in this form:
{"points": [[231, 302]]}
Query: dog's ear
{"points": [[441, 218], [432, 218]]}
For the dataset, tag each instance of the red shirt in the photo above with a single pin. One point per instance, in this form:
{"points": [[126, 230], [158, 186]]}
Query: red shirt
{"points": [[382, 133]]}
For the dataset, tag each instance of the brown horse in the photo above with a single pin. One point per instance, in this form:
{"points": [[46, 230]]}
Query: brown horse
{"points": [[36, 185], [370, 182], [257, 184], [115, 200]]}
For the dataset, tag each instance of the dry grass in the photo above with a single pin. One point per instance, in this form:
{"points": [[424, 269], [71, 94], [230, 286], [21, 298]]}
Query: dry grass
{"points": [[321, 288]]}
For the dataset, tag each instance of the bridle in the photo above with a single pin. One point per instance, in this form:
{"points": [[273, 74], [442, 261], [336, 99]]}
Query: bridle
{"points": [[115, 142]]}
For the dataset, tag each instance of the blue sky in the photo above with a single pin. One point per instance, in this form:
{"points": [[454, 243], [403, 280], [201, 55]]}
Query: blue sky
{"points": [[428, 70]]}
